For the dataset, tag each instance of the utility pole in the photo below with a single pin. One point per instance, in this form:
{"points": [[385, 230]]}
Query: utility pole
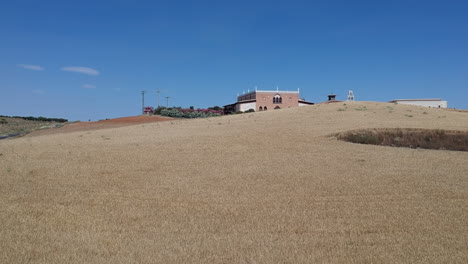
{"points": [[158, 92], [143, 101], [167, 101]]}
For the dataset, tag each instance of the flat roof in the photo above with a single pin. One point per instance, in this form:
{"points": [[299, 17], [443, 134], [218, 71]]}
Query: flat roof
{"points": [[277, 91], [246, 101], [268, 91]]}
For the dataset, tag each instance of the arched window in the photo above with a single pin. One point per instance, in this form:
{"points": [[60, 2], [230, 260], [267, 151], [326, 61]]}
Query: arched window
{"points": [[260, 109], [277, 107], [265, 108], [277, 99]]}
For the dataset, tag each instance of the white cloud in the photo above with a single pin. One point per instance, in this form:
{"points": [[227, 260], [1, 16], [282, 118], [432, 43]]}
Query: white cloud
{"points": [[84, 70], [89, 86], [31, 67]]}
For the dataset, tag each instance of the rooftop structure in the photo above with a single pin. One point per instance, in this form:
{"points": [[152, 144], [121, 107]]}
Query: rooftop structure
{"points": [[331, 99]]}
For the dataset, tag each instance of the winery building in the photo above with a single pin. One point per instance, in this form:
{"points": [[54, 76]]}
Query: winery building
{"points": [[264, 100]]}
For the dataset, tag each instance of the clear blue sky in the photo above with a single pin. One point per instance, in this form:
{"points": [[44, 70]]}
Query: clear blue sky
{"points": [[90, 59]]}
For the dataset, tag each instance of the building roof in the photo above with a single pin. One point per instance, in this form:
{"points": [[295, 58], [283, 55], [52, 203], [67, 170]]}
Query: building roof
{"points": [[303, 101], [241, 102], [268, 91], [246, 101], [330, 101], [277, 91]]}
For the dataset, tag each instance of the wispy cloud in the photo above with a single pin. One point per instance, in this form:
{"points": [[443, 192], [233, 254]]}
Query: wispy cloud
{"points": [[88, 86], [31, 67], [84, 70]]}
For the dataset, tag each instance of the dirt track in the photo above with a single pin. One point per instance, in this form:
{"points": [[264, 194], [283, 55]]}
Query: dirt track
{"points": [[103, 124]]}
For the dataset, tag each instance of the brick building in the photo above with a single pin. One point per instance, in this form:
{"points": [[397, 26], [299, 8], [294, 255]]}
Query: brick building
{"points": [[260, 100]]}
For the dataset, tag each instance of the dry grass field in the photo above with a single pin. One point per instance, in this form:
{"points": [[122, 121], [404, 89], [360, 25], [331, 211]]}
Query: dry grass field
{"points": [[10, 125], [267, 187], [102, 124]]}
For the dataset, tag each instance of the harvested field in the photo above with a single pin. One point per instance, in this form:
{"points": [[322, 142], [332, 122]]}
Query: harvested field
{"points": [[103, 124], [267, 187]]}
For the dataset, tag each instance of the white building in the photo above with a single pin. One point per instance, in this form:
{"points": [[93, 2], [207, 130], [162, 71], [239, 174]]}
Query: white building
{"points": [[435, 103]]}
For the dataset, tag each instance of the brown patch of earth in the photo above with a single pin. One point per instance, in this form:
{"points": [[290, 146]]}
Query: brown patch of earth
{"points": [[109, 123]]}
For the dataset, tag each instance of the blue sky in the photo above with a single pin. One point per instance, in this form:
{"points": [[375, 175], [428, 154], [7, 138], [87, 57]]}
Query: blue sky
{"points": [[85, 60]]}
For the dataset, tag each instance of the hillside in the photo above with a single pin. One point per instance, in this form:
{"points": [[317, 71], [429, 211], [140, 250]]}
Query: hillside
{"points": [[266, 187], [102, 124], [15, 125]]}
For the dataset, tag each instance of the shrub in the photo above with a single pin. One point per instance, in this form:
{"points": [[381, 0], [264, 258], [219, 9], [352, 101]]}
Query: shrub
{"points": [[158, 110], [42, 119], [171, 112], [189, 113], [217, 108], [362, 138], [412, 138]]}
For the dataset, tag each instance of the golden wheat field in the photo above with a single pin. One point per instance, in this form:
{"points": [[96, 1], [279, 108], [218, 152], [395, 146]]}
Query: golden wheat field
{"points": [[266, 187]]}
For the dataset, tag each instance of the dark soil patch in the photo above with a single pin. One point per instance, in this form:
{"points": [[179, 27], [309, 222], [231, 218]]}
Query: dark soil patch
{"points": [[410, 138]]}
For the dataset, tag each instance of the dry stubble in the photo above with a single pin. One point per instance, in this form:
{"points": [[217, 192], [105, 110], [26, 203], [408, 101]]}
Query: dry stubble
{"points": [[263, 187]]}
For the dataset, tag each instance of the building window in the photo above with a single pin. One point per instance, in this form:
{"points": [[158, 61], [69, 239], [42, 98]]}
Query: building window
{"points": [[265, 108], [260, 109], [277, 99], [277, 107]]}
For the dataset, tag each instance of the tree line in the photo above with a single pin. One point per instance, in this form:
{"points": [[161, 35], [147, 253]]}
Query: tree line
{"points": [[41, 118]]}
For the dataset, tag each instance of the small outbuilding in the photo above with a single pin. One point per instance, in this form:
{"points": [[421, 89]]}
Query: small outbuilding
{"points": [[434, 103]]}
